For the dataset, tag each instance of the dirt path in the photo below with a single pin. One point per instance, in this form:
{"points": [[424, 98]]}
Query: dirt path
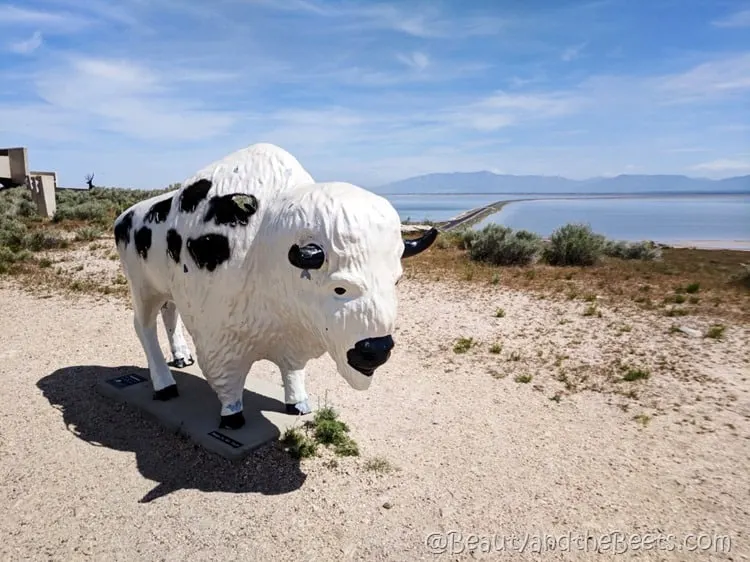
{"points": [[476, 452]]}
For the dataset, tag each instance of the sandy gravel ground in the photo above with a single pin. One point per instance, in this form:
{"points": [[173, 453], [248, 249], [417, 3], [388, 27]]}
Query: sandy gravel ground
{"points": [[478, 456]]}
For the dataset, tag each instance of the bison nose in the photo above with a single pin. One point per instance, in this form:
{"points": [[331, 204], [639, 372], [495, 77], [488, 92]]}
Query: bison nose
{"points": [[369, 354]]}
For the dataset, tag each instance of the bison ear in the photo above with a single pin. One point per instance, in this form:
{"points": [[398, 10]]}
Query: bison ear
{"points": [[310, 256], [414, 247]]}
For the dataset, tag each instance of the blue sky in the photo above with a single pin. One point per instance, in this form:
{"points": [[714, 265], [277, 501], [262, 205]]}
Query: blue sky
{"points": [[145, 92]]}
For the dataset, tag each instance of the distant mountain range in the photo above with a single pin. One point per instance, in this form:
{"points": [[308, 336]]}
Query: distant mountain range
{"points": [[487, 182]]}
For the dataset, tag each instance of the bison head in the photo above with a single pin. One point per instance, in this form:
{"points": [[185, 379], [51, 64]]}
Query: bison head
{"points": [[343, 250]]}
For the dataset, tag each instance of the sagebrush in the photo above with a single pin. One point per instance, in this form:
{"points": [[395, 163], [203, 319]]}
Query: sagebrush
{"points": [[85, 213], [499, 245]]}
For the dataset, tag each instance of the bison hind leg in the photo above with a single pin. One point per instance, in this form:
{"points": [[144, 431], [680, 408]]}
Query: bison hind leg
{"points": [[181, 363], [145, 312], [181, 356]]}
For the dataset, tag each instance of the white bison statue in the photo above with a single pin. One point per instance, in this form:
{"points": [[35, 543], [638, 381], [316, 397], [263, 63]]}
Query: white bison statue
{"points": [[261, 262]]}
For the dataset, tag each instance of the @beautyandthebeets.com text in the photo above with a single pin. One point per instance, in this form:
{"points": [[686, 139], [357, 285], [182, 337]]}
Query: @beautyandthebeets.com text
{"points": [[616, 542]]}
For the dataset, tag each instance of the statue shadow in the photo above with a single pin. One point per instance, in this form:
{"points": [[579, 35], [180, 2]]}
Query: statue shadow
{"points": [[174, 461]]}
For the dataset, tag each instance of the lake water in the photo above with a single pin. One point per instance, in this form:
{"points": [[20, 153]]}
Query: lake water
{"points": [[668, 219], [439, 207]]}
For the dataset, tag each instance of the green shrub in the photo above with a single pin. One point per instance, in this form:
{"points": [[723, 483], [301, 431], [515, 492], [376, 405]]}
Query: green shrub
{"points": [[455, 239], [693, 288], [635, 374], [12, 233], [100, 205], [91, 211], [463, 345], [621, 249], [499, 245], [26, 208], [716, 331], [741, 277], [88, 233], [574, 244], [466, 238], [8, 258], [45, 240], [22, 230]]}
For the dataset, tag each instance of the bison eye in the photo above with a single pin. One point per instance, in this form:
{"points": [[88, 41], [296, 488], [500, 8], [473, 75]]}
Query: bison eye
{"points": [[340, 290]]}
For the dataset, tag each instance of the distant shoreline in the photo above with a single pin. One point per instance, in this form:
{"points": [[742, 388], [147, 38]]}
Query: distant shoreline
{"points": [[473, 216], [572, 194], [741, 245]]}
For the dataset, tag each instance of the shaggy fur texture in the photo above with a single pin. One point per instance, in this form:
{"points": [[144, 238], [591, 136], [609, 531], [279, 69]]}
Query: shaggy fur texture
{"points": [[218, 251]]}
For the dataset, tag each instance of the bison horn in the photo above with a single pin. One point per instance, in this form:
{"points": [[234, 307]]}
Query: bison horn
{"points": [[414, 247], [307, 257]]}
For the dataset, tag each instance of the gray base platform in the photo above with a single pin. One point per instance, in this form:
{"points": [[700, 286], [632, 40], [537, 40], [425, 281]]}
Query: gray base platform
{"points": [[196, 412]]}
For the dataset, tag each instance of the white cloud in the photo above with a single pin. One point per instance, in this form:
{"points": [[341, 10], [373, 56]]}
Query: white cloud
{"points": [[719, 77], [573, 52], [39, 123], [723, 165], [416, 60], [13, 16], [502, 109], [733, 128], [27, 46], [686, 150], [737, 19], [105, 10], [384, 115], [544, 104], [430, 71], [424, 21], [127, 98], [120, 75]]}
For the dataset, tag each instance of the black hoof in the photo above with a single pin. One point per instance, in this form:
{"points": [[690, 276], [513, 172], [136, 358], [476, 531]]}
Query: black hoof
{"points": [[298, 409], [181, 363], [235, 421], [167, 393]]}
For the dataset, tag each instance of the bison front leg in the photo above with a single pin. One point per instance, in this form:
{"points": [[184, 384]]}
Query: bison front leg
{"points": [[226, 376], [295, 395], [181, 356]]}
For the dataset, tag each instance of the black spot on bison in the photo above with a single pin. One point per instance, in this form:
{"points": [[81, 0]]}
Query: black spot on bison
{"points": [[193, 194], [142, 239], [158, 211], [174, 245], [232, 209], [123, 228], [209, 251]]}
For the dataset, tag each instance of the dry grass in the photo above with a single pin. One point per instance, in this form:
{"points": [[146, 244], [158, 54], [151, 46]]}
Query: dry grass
{"points": [[39, 276], [707, 279], [683, 282]]}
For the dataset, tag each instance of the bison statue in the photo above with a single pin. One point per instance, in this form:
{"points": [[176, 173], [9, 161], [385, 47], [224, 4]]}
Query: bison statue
{"points": [[258, 261]]}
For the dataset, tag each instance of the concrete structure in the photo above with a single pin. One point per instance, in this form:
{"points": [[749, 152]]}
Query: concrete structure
{"points": [[14, 172], [42, 186], [267, 419], [13, 166]]}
